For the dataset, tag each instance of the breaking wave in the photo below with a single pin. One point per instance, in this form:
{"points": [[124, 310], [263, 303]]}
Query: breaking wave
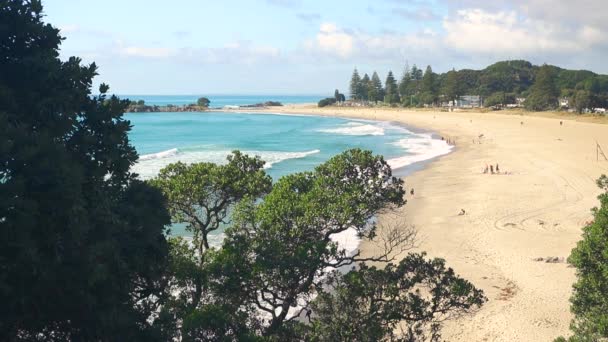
{"points": [[149, 165]]}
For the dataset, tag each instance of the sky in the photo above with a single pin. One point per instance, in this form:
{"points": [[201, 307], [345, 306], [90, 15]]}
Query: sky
{"points": [[312, 46]]}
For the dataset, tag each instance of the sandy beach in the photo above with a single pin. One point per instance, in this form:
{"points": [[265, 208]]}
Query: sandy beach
{"points": [[534, 209]]}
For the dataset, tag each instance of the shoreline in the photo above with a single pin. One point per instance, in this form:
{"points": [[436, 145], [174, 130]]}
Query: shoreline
{"points": [[536, 211]]}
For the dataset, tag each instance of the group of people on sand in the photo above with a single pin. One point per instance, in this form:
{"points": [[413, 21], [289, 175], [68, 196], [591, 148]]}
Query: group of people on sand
{"points": [[491, 169], [449, 141]]}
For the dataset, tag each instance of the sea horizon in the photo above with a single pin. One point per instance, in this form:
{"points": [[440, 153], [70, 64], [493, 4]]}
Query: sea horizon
{"points": [[222, 100]]}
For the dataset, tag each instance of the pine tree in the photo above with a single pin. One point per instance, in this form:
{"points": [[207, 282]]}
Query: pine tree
{"points": [[543, 93], [406, 79], [376, 92], [355, 85], [364, 87], [452, 88], [428, 89], [391, 90], [416, 73]]}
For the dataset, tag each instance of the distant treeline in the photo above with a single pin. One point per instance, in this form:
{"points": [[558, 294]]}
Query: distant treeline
{"points": [[201, 104], [140, 106], [264, 104], [499, 84]]}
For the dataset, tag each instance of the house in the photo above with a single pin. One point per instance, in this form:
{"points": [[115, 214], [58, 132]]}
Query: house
{"points": [[564, 102], [468, 101], [599, 110]]}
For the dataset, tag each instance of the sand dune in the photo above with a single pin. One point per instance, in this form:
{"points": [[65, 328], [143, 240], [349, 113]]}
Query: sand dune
{"points": [[535, 211]]}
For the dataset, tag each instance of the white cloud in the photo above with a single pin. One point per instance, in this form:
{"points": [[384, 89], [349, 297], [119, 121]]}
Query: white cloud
{"points": [[147, 52], [508, 33], [239, 53], [332, 41]]}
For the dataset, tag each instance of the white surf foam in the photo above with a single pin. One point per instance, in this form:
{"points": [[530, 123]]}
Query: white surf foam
{"points": [[347, 240], [355, 128], [419, 148], [149, 165], [159, 155]]}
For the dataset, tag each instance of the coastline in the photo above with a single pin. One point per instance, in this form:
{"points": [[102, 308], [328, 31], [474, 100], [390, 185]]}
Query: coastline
{"points": [[536, 211]]}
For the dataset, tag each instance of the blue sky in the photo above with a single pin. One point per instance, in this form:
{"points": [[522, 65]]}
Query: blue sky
{"points": [[311, 46]]}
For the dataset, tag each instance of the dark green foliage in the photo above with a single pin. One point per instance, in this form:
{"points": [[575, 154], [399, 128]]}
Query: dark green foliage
{"points": [[364, 88], [590, 257], [279, 249], [82, 246], [404, 83], [286, 239], [543, 93], [370, 304], [203, 102], [507, 79], [428, 87], [391, 90], [202, 196], [355, 86], [416, 73], [375, 91], [327, 102], [452, 88], [508, 76], [581, 100], [499, 98]]}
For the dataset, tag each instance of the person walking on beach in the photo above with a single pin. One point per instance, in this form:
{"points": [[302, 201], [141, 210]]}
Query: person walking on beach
{"points": [[492, 169], [485, 171], [497, 169], [412, 192]]}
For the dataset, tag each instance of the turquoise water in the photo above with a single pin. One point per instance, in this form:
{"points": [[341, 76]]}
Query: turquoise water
{"points": [[287, 143], [219, 101]]}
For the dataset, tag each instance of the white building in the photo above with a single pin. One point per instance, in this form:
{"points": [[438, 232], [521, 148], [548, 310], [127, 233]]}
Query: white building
{"points": [[468, 101]]}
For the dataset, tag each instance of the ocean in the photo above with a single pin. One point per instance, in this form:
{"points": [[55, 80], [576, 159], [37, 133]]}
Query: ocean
{"points": [[220, 101], [288, 143]]}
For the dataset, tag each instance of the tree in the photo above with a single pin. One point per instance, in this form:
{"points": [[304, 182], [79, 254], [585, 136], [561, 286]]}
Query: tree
{"points": [[404, 84], [416, 73], [337, 95], [364, 89], [83, 253], [391, 90], [590, 257], [279, 251], [428, 87], [301, 214], [543, 93], [355, 86], [582, 100], [370, 304], [203, 102], [452, 89], [499, 98], [202, 194], [328, 101], [376, 92]]}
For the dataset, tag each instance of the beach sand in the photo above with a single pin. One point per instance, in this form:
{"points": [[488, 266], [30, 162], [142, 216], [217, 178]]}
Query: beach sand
{"points": [[535, 211]]}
